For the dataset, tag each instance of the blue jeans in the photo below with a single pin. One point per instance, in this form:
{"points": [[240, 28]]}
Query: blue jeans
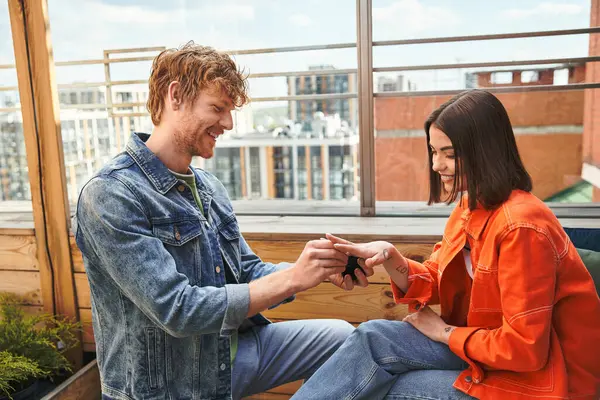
{"points": [[274, 354], [387, 360]]}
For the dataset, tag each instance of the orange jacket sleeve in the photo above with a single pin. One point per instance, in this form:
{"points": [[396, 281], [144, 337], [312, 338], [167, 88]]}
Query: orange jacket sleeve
{"points": [[527, 262], [422, 281]]}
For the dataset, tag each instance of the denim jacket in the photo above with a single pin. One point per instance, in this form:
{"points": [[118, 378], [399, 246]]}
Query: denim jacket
{"points": [[163, 312]]}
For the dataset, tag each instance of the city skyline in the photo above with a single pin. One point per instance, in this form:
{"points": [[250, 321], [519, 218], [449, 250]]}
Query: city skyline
{"points": [[240, 24]]}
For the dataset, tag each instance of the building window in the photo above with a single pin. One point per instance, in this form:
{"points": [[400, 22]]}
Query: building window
{"points": [[255, 178], [561, 76], [283, 171], [530, 76], [341, 173], [502, 78], [225, 165]]}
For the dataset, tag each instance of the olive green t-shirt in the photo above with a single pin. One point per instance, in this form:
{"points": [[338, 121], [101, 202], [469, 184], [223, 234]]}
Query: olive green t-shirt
{"points": [[190, 181]]}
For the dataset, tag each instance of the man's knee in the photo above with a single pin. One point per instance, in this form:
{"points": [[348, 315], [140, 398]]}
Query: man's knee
{"points": [[338, 330]]}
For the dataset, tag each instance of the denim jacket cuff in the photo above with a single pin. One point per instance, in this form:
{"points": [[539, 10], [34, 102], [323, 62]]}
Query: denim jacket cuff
{"points": [[238, 303]]}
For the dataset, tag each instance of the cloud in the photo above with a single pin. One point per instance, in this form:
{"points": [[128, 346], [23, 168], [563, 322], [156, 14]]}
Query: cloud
{"points": [[83, 29], [227, 12], [411, 16], [126, 14], [300, 20], [541, 9]]}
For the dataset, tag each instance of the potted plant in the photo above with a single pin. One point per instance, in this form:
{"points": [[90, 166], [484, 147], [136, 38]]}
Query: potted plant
{"points": [[32, 348]]}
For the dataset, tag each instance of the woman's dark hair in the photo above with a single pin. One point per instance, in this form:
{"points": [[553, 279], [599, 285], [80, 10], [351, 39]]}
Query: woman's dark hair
{"points": [[485, 149]]}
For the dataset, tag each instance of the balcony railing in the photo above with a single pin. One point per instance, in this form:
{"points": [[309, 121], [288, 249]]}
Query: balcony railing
{"points": [[365, 92]]}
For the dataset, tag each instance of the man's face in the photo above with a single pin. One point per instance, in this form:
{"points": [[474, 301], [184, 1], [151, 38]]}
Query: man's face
{"points": [[199, 123]]}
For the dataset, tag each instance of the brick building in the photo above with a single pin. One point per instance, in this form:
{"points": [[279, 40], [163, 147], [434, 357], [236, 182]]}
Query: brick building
{"points": [[549, 127], [558, 132], [591, 118]]}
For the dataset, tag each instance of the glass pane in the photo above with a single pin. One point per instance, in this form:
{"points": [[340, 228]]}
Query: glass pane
{"points": [[14, 179], [262, 153], [551, 126]]}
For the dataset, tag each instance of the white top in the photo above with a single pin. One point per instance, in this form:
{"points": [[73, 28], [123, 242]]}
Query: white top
{"points": [[467, 255]]}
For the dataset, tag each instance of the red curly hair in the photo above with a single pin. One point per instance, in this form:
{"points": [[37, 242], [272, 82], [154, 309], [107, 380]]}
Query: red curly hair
{"points": [[196, 68]]}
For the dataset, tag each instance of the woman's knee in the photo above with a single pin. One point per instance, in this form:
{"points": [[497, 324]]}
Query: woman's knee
{"points": [[381, 331], [384, 326]]}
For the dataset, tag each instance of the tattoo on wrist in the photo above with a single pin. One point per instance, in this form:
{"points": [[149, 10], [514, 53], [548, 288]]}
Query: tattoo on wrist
{"points": [[386, 254], [448, 329]]}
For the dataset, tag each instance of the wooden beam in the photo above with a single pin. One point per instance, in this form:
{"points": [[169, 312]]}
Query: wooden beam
{"points": [[25, 284], [85, 384], [18, 253], [364, 38], [322, 301], [41, 127], [118, 137]]}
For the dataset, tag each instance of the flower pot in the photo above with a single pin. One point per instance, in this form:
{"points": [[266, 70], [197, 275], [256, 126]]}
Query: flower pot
{"points": [[27, 391]]}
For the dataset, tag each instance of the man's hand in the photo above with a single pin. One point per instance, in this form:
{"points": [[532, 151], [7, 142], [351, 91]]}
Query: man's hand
{"points": [[318, 261], [430, 324], [346, 282], [377, 253]]}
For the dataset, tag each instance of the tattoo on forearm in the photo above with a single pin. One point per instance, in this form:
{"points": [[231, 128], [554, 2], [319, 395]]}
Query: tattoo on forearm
{"points": [[402, 270], [386, 254]]}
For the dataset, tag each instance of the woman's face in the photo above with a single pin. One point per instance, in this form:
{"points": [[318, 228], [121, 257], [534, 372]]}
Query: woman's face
{"points": [[443, 158]]}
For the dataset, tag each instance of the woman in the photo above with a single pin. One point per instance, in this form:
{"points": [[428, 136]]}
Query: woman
{"points": [[520, 316]]}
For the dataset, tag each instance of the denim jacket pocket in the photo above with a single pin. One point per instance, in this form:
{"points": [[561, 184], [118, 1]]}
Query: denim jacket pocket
{"points": [[229, 239], [178, 238], [229, 228], [155, 356], [176, 232]]}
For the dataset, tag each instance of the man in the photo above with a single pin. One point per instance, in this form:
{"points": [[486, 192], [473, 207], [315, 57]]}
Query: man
{"points": [[176, 291]]}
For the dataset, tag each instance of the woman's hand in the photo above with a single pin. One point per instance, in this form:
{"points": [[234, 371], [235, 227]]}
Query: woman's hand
{"points": [[430, 324], [377, 253], [345, 282], [370, 254]]}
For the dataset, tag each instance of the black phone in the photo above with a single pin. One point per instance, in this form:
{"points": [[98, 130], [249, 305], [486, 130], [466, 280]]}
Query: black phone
{"points": [[351, 266]]}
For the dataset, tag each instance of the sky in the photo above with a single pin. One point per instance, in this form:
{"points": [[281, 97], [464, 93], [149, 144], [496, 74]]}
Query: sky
{"points": [[82, 29]]}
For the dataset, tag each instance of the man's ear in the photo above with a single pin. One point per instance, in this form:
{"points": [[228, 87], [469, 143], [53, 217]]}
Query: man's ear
{"points": [[174, 95]]}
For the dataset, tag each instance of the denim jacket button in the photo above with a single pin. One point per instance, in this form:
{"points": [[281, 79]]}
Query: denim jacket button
{"points": [[218, 269], [468, 379], [181, 188], [223, 366]]}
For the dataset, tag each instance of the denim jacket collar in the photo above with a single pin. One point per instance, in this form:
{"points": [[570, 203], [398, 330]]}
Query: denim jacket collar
{"points": [[157, 172]]}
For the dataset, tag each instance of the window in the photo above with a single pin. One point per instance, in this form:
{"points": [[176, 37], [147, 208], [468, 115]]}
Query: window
{"points": [[14, 179], [307, 148], [500, 78], [543, 118], [262, 153], [530, 76], [561, 76]]}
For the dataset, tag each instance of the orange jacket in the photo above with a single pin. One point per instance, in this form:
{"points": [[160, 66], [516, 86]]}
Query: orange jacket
{"points": [[529, 320]]}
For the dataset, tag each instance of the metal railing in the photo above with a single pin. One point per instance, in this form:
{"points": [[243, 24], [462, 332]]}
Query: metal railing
{"points": [[365, 92]]}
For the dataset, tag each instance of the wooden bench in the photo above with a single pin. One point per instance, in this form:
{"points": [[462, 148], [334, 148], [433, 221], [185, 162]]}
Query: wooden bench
{"points": [[323, 301]]}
